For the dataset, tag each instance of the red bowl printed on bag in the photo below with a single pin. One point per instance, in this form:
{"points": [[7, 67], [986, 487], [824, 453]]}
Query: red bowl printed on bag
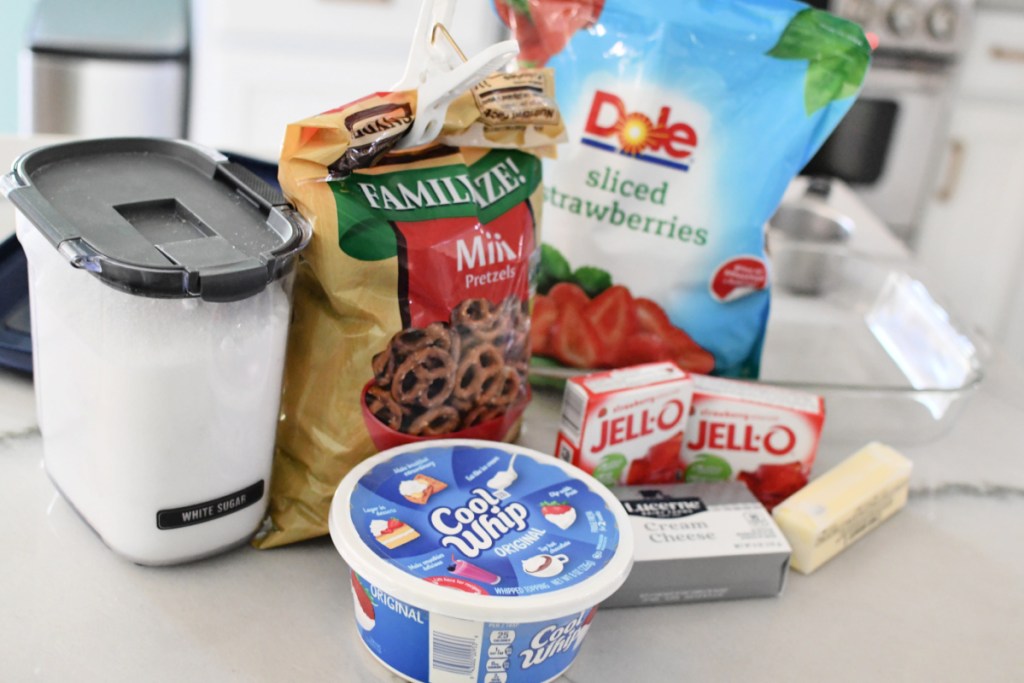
{"points": [[496, 429]]}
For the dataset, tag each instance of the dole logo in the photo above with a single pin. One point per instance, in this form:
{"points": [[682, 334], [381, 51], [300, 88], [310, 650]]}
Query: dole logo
{"points": [[635, 133]]}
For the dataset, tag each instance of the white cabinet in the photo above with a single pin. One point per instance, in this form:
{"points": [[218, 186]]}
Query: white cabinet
{"points": [[974, 229], [258, 65], [972, 239]]}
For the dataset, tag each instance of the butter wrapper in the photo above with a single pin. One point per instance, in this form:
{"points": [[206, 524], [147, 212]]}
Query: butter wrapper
{"points": [[841, 506], [700, 542]]}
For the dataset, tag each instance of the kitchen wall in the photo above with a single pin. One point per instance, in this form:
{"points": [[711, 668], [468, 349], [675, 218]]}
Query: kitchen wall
{"points": [[12, 35], [324, 54]]}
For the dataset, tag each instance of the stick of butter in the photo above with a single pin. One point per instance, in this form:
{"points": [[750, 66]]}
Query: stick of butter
{"points": [[845, 503]]}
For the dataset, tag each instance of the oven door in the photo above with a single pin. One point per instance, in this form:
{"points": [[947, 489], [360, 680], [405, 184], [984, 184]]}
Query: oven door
{"points": [[889, 143]]}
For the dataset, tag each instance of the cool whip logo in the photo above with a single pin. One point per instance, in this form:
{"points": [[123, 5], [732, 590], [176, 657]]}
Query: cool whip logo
{"points": [[619, 429], [552, 640], [611, 126], [478, 524], [777, 439]]}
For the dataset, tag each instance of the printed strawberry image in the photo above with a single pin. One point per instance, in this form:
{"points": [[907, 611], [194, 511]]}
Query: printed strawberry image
{"points": [[543, 317], [612, 314], [366, 615], [772, 484], [561, 514], [582, 320], [576, 343], [650, 317], [543, 27]]}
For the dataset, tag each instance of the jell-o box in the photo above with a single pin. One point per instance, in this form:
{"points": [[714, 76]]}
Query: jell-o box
{"points": [[844, 504], [627, 426], [762, 435]]}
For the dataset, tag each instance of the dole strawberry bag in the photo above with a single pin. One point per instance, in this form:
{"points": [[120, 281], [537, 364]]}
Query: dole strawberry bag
{"points": [[686, 122], [411, 315]]}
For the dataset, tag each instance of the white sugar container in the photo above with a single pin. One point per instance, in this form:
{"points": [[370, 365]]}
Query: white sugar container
{"points": [[159, 279]]}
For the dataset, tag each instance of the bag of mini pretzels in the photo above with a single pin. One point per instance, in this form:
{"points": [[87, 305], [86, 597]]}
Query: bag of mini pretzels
{"points": [[411, 302]]}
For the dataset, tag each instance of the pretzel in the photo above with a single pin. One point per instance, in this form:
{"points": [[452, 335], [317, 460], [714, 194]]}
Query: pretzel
{"points": [[508, 392], [425, 378], [481, 414], [454, 343], [447, 376], [434, 421], [518, 348], [521, 366], [383, 367], [517, 312], [478, 377], [412, 339], [480, 320], [463, 405], [518, 337], [384, 407]]}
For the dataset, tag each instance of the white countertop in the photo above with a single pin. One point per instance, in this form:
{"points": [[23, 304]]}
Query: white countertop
{"points": [[935, 594]]}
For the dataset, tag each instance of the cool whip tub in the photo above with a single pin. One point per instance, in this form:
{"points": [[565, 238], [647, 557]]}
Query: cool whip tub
{"points": [[477, 561]]}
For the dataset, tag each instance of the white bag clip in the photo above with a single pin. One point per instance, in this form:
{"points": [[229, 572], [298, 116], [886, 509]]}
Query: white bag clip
{"points": [[440, 72]]}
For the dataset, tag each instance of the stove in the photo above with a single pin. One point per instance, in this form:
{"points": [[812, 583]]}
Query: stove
{"points": [[936, 29], [889, 144]]}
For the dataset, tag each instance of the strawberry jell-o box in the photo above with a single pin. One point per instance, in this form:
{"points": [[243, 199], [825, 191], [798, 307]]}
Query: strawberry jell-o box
{"points": [[762, 435], [627, 426]]}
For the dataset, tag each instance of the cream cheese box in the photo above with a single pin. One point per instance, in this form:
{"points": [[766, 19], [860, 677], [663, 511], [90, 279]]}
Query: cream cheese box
{"points": [[697, 542]]}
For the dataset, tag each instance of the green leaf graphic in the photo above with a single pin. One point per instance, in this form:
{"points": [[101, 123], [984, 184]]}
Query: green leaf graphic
{"points": [[553, 269], [837, 53], [362, 233], [610, 469], [542, 380], [592, 280], [708, 467], [368, 240], [521, 6]]}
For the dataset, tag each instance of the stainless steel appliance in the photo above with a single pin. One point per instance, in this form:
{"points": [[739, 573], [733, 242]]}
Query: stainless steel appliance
{"points": [[889, 144], [105, 68]]}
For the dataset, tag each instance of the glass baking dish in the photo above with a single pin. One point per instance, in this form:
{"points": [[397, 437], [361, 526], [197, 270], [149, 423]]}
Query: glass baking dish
{"points": [[868, 334], [863, 331]]}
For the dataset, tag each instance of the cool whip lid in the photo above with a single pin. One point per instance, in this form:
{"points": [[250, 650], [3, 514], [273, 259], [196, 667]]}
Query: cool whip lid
{"points": [[482, 530]]}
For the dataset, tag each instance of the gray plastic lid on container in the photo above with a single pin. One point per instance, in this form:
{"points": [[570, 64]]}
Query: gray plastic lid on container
{"points": [[111, 29], [160, 218]]}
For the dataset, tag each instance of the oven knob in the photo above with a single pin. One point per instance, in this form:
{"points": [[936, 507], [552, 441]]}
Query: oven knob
{"points": [[902, 17], [942, 22], [860, 11]]}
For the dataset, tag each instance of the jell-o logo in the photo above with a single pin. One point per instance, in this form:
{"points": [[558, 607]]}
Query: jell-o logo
{"points": [[635, 425], [776, 440], [626, 426]]}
